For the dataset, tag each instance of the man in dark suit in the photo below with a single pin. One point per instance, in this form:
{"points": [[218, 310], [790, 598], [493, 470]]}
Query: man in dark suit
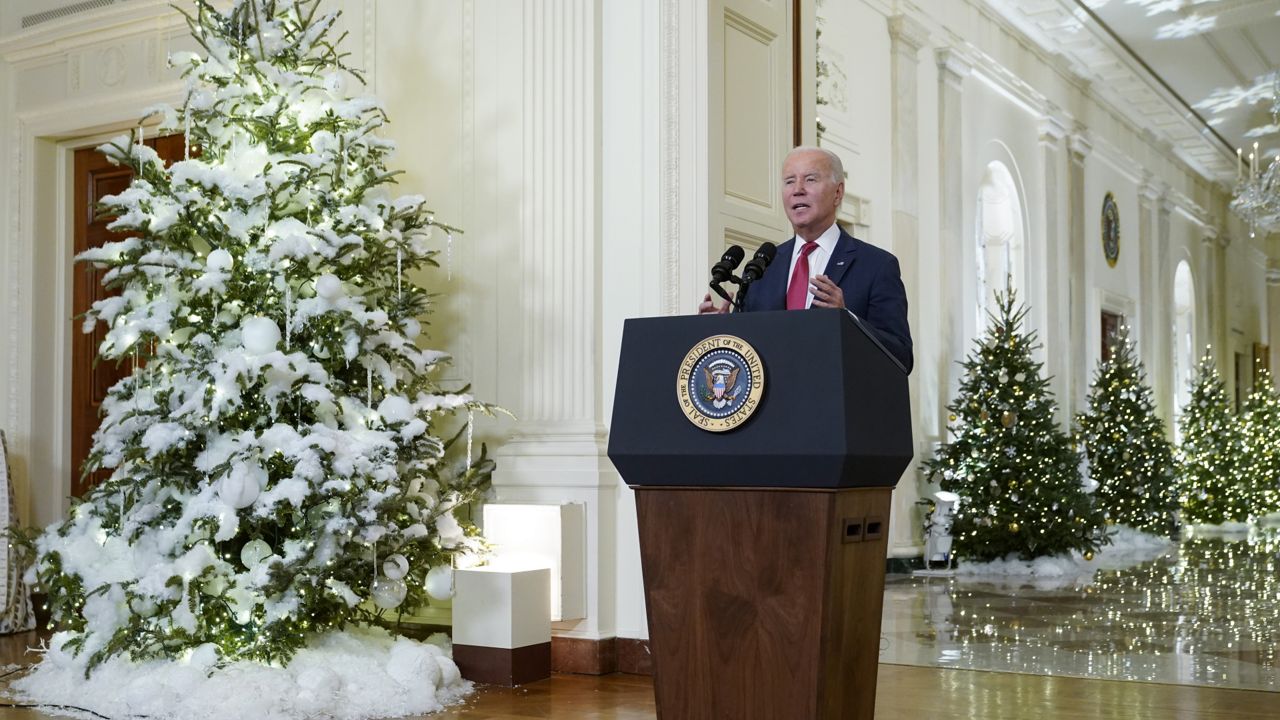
{"points": [[823, 266]]}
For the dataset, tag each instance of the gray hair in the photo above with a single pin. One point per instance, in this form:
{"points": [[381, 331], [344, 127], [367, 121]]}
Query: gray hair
{"points": [[837, 167]]}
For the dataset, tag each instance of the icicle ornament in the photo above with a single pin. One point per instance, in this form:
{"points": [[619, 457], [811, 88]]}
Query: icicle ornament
{"points": [[288, 315], [471, 418]]}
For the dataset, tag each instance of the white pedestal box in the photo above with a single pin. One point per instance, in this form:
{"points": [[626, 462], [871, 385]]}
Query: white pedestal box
{"points": [[502, 624]]}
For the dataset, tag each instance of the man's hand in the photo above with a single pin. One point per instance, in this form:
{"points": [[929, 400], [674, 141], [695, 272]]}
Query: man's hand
{"points": [[826, 294], [708, 306]]}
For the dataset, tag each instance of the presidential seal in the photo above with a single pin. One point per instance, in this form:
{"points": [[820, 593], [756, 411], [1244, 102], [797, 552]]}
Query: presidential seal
{"points": [[719, 383]]}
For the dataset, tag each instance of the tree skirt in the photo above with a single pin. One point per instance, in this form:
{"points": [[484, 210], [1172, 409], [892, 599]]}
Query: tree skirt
{"points": [[349, 675]]}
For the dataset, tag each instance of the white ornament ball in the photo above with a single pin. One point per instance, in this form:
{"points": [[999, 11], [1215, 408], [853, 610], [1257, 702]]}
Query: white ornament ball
{"points": [[219, 260], [395, 566], [329, 287], [260, 335], [387, 593], [440, 582], [335, 83], [395, 409], [254, 552], [241, 487]]}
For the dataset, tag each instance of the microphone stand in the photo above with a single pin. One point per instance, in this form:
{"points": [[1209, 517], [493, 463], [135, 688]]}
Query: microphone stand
{"points": [[744, 284], [736, 304]]}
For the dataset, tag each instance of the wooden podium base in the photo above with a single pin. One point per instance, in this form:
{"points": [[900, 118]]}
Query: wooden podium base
{"points": [[764, 603]]}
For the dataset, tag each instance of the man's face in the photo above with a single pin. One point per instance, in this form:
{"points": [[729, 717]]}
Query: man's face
{"points": [[809, 194]]}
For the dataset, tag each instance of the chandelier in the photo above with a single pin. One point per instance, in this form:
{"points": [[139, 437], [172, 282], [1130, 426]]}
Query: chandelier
{"points": [[1257, 193]]}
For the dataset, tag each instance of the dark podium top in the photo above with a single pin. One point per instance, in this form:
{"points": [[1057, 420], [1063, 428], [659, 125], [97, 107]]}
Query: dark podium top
{"points": [[835, 412]]}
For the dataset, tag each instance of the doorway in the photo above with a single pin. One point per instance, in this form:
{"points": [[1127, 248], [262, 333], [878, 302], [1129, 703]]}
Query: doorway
{"points": [[93, 178]]}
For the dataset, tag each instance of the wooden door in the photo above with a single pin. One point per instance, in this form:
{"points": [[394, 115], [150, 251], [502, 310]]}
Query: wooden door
{"points": [[95, 177], [1110, 325]]}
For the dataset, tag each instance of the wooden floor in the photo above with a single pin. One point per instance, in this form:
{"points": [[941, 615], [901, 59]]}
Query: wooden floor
{"points": [[904, 692]]}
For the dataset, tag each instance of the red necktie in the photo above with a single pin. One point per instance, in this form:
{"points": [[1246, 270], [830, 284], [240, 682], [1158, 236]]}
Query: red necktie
{"points": [[798, 290]]}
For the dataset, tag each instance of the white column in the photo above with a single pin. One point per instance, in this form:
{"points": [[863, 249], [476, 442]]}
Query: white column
{"points": [[956, 245], [907, 36], [1145, 322], [1076, 392], [1152, 314], [1166, 393], [1273, 315], [1214, 330], [1222, 304], [1056, 335], [557, 452]]}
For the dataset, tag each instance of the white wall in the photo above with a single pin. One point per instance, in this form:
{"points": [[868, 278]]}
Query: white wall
{"points": [[570, 141]]}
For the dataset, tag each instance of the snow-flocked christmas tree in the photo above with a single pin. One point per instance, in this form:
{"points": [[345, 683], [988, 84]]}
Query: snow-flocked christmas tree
{"points": [[1014, 469], [1212, 488], [1129, 456], [277, 462]]}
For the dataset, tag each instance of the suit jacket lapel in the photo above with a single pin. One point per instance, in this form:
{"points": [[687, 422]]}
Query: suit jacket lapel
{"points": [[777, 291], [842, 258]]}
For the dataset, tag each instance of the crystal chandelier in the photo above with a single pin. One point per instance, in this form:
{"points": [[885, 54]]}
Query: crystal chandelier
{"points": [[1257, 194]]}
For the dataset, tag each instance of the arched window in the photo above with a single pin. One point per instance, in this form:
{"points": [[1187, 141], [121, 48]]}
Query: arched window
{"points": [[1184, 342], [999, 234]]}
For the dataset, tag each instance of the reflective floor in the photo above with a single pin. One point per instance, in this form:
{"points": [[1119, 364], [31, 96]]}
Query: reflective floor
{"points": [[1207, 612]]}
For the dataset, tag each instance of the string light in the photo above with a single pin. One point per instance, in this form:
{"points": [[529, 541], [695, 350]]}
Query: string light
{"points": [[211, 401]]}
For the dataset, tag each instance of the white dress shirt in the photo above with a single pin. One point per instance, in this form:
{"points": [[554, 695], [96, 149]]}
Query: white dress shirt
{"points": [[817, 259]]}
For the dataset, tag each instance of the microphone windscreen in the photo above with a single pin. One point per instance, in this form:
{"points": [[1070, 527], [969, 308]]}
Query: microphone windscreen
{"points": [[759, 262], [729, 262]]}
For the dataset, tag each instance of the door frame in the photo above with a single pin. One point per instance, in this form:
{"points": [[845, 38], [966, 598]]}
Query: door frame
{"points": [[40, 200]]}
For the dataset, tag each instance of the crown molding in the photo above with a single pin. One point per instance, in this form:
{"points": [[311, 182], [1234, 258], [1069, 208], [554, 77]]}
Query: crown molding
{"points": [[114, 22], [1119, 79]]}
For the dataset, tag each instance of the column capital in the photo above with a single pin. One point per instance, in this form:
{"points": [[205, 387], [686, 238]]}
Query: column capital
{"points": [[1273, 272], [907, 33], [953, 67], [1079, 145], [1210, 236], [1053, 129], [1151, 190]]}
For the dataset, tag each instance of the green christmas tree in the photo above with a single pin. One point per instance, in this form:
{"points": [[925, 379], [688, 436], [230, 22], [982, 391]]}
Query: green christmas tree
{"points": [[1260, 426], [1211, 457], [278, 467], [1014, 469], [1129, 456]]}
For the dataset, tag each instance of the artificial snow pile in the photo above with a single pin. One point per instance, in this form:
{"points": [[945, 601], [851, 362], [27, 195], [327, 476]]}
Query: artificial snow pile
{"points": [[350, 675], [1128, 547]]}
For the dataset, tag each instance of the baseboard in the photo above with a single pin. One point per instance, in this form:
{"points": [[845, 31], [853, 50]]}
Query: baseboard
{"points": [[634, 656], [584, 656], [601, 657], [903, 566]]}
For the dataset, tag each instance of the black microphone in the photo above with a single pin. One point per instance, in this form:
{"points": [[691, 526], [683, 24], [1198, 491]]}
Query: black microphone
{"points": [[759, 262], [723, 270]]}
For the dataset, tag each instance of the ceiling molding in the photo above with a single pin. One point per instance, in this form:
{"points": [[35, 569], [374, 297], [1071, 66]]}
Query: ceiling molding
{"points": [[55, 38], [1116, 75]]}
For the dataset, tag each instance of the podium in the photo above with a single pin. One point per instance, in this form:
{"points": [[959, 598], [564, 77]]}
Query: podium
{"points": [[763, 529]]}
